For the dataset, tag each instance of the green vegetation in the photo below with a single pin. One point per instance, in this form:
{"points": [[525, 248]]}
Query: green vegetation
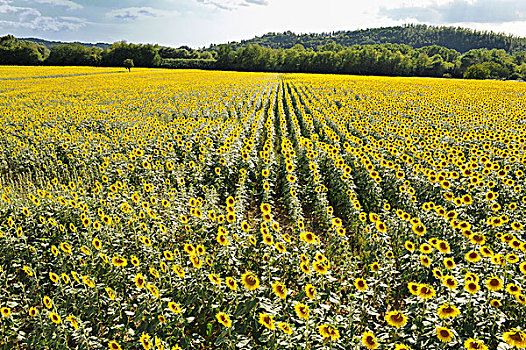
{"points": [[410, 51], [459, 39], [128, 64]]}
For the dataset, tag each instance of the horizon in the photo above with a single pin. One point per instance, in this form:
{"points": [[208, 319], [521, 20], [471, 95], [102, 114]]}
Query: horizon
{"points": [[201, 23], [255, 36]]}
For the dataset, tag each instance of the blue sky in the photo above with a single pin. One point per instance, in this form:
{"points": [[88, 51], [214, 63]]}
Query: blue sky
{"points": [[198, 23]]}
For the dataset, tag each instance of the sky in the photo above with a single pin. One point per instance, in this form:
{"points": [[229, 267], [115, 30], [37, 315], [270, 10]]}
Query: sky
{"points": [[199, 23]]}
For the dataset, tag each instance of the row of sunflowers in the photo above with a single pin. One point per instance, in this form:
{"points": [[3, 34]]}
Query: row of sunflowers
{"points": [[181, 209]]}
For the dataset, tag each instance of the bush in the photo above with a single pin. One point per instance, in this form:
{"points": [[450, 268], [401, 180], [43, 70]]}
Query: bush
{"points": [[180, 63], [477, 71]]}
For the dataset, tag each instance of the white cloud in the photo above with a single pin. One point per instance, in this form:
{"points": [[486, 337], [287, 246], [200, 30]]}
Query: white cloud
{"points": [[138, 13], [462, 11], [66, 3], [30, 18], [43, 23], [231, 4]]}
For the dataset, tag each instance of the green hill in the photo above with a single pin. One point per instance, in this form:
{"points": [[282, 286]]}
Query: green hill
{"points": [[460, 39], [49, 43]]}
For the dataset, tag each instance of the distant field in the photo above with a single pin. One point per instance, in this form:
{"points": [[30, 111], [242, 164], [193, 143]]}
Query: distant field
{"points": [[161, 209]]}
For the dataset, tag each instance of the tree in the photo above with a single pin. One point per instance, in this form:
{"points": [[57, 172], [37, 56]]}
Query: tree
{"points": [[73, 55], [142, 55], [21, 52], [477, 71], [128, 64]]}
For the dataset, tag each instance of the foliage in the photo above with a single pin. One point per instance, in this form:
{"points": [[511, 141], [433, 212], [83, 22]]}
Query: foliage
{"points": [[14, 51], [142, 55], [74, 55], [386, 59], [420, 35], [477, 71], [128, 64], [181, 63]]}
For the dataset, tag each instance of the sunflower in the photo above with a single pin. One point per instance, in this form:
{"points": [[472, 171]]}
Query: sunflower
{"points": [[425, 260], [146, 341], [53, 277], [443, 247], [153, 290], [309, 237], [310, 291], [73, 321], [396, 319], [139, 280], [231, 283], [369, 340], [222, 239], [196, 262], [473, 344], [285, 328], [55, 318], [119, 261], [265, 208], [224, 319], [426, 249], [444, 334], [329, 332], [419, 229], [380, 226], [494, 283], [302, 310], [214, 279], [267, 321], [360, 284], [33, 312], [515, 337], [450, 282], [47, 302], [5, 311], [179, 271], [495, 303], [472, 256], [471, 287], [426, 291], [279, 289], [174, 307], [320, 267], [513, 289], [305, 268], [401, 347], [520, 298], [113, 345], [245, 226], [413, 288], [250, 280], [447, 311]]}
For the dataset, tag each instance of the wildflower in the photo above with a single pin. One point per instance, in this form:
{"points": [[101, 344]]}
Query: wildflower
{"points": [[369, 340], [267, 321], [224, 319], [396, 319]]}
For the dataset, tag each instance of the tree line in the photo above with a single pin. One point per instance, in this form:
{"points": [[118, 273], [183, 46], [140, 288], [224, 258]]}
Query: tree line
{"points": [[381, 59], [414, 35], [378, 59]]}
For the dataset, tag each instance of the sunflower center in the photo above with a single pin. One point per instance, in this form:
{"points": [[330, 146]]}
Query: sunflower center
{"points": [[516, 337], [397, 318], [494, 282], [444, 333]]}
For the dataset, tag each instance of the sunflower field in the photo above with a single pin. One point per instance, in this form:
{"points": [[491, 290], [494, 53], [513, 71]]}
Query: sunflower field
{"points": [[183, 209]]}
